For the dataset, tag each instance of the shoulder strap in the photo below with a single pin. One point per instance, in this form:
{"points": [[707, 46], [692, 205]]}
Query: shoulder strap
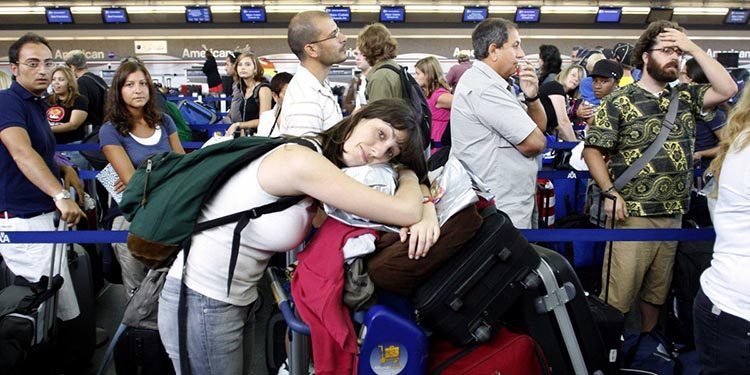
{"points": [[96, 82], [256, 92], [402, 75], [652, 150]]}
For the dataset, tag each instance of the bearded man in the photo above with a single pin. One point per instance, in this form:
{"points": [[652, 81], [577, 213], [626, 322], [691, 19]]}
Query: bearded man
{"points": [[625, 125]]}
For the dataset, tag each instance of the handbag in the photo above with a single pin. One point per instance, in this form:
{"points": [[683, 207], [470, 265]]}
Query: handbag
{"points": [[596, 214]]}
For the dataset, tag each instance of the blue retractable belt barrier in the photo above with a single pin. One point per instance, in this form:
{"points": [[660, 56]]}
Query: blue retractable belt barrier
{"points": [[704, 234]]}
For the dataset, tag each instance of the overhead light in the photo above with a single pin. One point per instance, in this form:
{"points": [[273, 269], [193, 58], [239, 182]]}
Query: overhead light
{"points": [[549, 9], [293, 8], [225, 9], [365, 8], [687, 11], [635, 10], [434, 8], [155, 9], [86, 10], [21, 10], [502, 9]]}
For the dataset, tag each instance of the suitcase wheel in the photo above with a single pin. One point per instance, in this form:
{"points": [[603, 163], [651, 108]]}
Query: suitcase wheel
{"points": [[531, 281], [504, 254], [482, 333]]}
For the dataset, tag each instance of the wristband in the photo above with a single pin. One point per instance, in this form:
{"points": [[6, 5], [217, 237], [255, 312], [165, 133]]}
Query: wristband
{"points": [[610, 189], [532, 99]]}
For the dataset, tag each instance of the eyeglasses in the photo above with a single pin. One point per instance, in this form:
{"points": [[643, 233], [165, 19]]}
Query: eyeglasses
{"points": [[669, 50], [333, 35], [35, 64]]}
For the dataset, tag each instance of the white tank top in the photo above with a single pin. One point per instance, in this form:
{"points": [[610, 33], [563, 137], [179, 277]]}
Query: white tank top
{"points": [[208, 261]]}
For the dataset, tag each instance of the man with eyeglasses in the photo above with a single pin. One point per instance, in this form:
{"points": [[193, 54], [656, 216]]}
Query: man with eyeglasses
{"points": [[309, 103], [626, 123], [30, 188]]}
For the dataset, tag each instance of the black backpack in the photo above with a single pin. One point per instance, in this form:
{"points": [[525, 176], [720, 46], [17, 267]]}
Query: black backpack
{"points": [[413, 95]]}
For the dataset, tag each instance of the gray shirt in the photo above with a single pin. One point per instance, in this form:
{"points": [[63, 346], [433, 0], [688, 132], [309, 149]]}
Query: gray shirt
{"points": [[487, 122]]}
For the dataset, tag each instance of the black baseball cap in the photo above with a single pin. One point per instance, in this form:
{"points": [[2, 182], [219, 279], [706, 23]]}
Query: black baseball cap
{"points": [[607, 69]]}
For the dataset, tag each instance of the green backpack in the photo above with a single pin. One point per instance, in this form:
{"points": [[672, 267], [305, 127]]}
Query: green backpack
{"points": [[167, 192], [183, 129]]}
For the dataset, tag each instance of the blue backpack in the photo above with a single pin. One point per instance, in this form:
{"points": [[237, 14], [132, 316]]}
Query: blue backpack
{"points": [[648, 353], [196, 113]]}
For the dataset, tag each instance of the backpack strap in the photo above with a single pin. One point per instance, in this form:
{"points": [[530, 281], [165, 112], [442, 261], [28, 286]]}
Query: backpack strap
{"points": [[401, 71], [103, 87], [256, 92]]}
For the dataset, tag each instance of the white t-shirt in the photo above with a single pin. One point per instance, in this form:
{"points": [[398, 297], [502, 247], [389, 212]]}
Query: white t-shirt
{"points": [[265, 123], [727, 281], [208, 262]]}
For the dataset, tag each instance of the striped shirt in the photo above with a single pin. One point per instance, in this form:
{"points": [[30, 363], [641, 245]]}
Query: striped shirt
{"points": [[309, 106]]}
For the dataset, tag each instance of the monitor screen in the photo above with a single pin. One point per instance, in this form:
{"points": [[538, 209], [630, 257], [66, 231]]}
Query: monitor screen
{"points": [[527, 15], [252, 14], [474, 14], [59, 15], [737, 16], [199, 14], [608, 15], [340, 14], [392, 14], [657, 14], [115, 15]]}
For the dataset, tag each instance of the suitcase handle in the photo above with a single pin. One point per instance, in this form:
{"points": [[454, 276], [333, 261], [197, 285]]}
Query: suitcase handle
{"points": [[467, 285]]}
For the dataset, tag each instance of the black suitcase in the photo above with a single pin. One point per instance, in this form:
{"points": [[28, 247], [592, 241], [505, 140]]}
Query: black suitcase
{"points": [[559, 317], [611, 324], [140, 351], [464, 300]]}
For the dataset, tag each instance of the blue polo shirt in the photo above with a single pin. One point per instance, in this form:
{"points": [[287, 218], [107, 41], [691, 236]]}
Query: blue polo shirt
{"points": [[19, 107]]}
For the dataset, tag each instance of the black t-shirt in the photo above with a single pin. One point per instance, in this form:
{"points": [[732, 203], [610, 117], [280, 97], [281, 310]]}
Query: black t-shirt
{"points": [[211, 70], [93, 88], [58, 113], [227, 83], [545, 90]]}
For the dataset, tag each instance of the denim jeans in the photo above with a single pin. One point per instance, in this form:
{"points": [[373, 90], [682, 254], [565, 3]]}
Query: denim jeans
{"points": [[722, 339], [215, 331]]}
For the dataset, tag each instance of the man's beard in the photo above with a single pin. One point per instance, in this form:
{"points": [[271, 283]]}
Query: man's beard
{"points": [[661, 74]]}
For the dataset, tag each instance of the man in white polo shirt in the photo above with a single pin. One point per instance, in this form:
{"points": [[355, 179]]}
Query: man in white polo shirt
{"points": [[309, 103]]}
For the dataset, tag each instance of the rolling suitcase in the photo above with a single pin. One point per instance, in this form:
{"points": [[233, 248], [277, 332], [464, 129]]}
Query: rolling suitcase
{"points": [[559, 317], [507, 353], [27, 316], [464, 300]]}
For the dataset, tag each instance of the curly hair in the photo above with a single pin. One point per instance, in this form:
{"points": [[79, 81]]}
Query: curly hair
{"points": [[117, 111], [647, 40], [376, 43]]}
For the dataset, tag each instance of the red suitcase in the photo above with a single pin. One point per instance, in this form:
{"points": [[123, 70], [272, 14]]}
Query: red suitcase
{"points": [[507, 353]]}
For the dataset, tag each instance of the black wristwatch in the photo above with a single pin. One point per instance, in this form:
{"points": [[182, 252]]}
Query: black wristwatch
{"points": [[532, 99]]}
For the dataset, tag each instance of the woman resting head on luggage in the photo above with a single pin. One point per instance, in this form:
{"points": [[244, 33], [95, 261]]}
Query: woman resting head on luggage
{"points": [[134, 131], [382, 132]]}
